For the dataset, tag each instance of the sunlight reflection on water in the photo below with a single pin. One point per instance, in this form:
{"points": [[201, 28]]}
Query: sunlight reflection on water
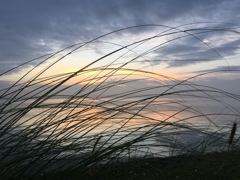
{"points": [[78, 124]]}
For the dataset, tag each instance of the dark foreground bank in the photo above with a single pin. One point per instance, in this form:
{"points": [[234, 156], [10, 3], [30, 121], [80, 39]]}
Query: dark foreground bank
{"points": [[225, 165]]}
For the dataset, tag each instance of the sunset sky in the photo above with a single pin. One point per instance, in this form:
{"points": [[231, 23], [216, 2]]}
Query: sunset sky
{"points": [[32, 28]]}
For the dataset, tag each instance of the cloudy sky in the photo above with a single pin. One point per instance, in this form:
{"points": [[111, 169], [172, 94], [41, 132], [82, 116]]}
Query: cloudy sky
{"points": [[32, 28]]}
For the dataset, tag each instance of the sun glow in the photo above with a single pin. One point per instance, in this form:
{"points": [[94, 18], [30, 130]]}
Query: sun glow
{"points": [[93, 76]]}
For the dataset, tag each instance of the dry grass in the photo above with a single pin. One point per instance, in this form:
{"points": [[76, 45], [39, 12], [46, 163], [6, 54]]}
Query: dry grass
{"points": [[45, 131]]}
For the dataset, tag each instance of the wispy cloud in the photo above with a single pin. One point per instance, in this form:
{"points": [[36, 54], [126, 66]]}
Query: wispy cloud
{"points": [[228, 69]]}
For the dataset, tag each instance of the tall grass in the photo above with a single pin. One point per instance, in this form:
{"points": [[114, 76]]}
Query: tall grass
{"points": [[106, 112]]}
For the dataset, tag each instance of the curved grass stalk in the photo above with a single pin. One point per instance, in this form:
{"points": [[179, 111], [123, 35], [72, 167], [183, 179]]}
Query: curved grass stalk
{"points": [[76, 121]]}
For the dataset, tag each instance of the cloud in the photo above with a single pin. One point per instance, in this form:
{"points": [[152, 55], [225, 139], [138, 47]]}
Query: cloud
{"points": [[194, 50], [228, 69], [32, 28]]}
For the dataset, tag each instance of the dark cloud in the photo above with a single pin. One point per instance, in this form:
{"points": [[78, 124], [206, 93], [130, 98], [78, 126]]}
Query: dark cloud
{"points": [[228, 48], [193, 50], [31, 28], [228, 69], [186, 62]]}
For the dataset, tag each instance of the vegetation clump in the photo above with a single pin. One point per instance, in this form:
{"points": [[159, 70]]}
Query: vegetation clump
{"points": [[109, 119]]}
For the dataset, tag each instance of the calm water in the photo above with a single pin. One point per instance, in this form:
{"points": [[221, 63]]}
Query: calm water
{"points": [[81, 123]]}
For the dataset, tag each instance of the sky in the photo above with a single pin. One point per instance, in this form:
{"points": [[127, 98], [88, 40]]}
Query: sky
{"points": [[33, 28]]}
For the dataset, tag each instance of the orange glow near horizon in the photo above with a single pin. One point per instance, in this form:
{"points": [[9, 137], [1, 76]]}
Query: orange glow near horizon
{"points": [[94, 76]]}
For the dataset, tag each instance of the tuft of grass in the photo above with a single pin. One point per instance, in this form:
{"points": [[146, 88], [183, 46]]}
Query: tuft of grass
{"points": [[108, 113], [233, 131]]}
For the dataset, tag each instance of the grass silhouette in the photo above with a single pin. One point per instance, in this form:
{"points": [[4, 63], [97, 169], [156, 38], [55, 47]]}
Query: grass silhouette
{"points": [[99, 117]]}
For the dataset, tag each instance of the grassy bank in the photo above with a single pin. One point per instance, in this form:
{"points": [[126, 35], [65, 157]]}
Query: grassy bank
{"points": [[224, 165]]}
